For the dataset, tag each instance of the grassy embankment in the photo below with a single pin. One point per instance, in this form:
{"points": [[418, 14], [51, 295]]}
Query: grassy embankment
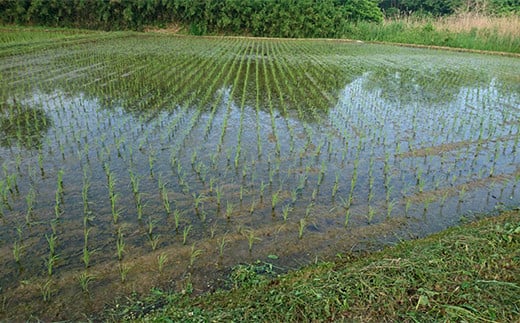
{"points": [[469, 273], [468, 31]]}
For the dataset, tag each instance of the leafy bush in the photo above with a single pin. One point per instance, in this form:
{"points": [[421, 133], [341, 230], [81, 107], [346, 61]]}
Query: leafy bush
{"points": [[280, 18]]}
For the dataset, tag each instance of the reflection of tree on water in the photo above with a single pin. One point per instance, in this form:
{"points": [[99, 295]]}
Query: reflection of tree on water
{"points": [[22, 124], [406, 85]]}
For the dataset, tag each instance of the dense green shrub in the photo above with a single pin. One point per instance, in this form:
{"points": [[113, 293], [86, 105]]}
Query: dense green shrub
{"points": [[282, 18], [447, 7], [505, 6]]}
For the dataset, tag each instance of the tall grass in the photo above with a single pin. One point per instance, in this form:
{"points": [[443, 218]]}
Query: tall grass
{"points": [[465, 30]]}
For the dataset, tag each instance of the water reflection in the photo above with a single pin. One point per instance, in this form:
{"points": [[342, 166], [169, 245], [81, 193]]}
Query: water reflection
{"points": [[290, 155], [23, 125]]}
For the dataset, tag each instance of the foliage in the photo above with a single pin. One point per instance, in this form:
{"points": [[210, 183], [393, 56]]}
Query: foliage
{"points": [[286, 18], [447, 7], [432, 7], [505, 6]]}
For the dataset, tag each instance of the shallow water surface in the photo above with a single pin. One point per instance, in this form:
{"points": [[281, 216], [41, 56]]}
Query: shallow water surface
{"points": [[163, 161]]}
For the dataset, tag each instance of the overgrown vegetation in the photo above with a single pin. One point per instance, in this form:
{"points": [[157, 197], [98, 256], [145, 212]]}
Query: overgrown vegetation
{"points": [[280, 18], [448, 7], [469, 273], [469, 30], [474, 24]]}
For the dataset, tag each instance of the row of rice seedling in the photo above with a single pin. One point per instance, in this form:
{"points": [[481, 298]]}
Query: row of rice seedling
{"points": [[148, 154]]}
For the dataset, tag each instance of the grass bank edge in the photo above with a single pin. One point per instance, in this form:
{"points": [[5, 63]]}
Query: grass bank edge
{"points": [[421, 35], [469, 272]]}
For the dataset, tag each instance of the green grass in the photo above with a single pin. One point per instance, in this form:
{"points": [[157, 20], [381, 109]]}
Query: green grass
{"points": [[19, 34], [469, 273], [23, 39], [426, 33]]}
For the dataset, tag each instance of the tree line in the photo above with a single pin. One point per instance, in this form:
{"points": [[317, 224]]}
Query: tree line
{"points": [[280, 18], [448, 7], [272, 18]]}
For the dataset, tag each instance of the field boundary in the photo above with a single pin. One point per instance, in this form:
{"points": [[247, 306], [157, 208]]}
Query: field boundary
{"points": [[341, 40]]}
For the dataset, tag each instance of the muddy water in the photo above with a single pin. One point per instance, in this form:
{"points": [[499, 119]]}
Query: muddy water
{"points": [[242, 150]]}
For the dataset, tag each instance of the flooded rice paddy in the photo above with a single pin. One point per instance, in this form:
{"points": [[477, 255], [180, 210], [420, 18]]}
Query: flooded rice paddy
{"points": [[147, 160]]}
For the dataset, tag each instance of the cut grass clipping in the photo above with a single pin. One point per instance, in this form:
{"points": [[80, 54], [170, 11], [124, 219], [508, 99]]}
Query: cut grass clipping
{"points": [[469, 273]]}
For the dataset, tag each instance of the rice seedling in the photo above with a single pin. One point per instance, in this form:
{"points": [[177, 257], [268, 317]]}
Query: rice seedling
{"points": [[134, 180], [371, 213], [166, 200], [389, 208], [185, 233], [462, 194], [252, 207], [222, 245], [151, 225], [229, 209], [30, 198], [407, 206], [57, 205], [46, 290], [123, 271], [84, 281], [154, 241], [294, 195], [151, 162], [262, 188], [301, 227], [17, 251], [194, 254], [120, 244], [86, 255], [84, 193], [420, 180], [50, 263], [211, 184], [161, 261], [335, 187], [347, 217], [251, 238], [139, 206], [388, 193], [115, 213], [285, 212], [314, 194], [60, 189], [51, 242], [4, 194], [426, 205], [274, 200], [321, 173], [218, 195], [197, 200], [176, 218]]}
